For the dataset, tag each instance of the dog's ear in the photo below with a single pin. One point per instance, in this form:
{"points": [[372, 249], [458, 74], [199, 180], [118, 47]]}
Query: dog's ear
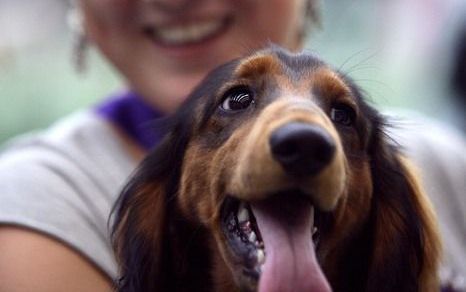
{"points": [[156, 246], [146, 214], [143, 215], [405, 244]]}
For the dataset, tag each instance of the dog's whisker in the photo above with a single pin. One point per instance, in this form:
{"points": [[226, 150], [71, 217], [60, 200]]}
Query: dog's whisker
{"points": [[351, 57], [363, 61], [361, 68]]}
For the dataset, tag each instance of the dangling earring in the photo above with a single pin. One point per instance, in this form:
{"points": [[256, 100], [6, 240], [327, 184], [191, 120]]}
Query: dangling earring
{"points": [[311, 18], [80, 41], [313, 12]]}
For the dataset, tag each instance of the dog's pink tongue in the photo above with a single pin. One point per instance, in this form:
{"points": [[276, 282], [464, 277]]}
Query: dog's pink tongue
{"points": [[291, 263]]}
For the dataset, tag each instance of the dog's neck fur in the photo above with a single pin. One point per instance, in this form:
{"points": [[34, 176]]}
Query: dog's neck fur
{"points": [[188, 258]]}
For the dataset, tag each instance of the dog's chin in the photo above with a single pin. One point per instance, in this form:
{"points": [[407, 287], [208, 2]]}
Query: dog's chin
{"points": [[247, 250]]}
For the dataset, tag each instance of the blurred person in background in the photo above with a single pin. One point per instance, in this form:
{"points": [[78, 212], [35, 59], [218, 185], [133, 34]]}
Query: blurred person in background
{"points": [[428, 38], [458, 75], [57, 187]]}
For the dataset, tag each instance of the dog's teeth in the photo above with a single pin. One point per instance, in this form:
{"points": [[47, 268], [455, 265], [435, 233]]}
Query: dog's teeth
{"points": [[260, 256], [261, 268], [314, 230], [243, 214], [252, 237]]}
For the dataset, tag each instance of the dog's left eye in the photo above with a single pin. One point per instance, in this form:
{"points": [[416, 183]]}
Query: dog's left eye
{"points": [[237, 99], [342, 114]]}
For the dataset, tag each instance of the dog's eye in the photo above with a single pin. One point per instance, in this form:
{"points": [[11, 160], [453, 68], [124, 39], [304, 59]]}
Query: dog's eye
{"points": [[342, 114], [237, 99]]}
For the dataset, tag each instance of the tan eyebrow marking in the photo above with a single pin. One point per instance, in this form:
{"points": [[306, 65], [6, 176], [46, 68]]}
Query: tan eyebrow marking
{"points": [[257, 65], [330, 84]]}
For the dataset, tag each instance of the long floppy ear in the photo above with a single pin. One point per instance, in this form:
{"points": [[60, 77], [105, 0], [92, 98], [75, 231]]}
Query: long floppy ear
{"points": [[149, 234], [406, 244], [142, 218]]}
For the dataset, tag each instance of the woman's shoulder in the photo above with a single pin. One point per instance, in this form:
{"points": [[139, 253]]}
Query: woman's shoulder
{"points": [[439, 152], [436, 147], [63, 181], [82, 142]]}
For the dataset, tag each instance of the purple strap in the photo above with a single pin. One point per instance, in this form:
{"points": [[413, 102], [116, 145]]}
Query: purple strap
{"points": [[131, 114]]}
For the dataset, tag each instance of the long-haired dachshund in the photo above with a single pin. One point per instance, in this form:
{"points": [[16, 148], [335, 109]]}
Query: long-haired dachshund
{"points": [[275, 175]]}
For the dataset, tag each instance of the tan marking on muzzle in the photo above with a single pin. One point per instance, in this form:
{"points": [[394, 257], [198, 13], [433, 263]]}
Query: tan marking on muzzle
{"points": [[258, 175]]}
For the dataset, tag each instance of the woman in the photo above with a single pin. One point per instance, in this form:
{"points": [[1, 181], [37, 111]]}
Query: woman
{"points": [[57, 188]]}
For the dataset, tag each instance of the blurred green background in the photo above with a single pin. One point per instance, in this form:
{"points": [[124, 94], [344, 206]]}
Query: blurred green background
{"points": [[399, 51]]}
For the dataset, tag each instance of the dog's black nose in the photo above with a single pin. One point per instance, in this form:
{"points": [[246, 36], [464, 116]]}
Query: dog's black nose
{"points": [[302, 149]]}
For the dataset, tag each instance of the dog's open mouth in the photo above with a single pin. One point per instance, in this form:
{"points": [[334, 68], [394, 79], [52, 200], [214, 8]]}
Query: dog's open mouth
{"points": [[243, 236], [275, 235]]}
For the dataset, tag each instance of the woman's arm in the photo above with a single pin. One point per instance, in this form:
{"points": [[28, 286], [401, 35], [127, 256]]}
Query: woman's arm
{"points": [[30, 261]]}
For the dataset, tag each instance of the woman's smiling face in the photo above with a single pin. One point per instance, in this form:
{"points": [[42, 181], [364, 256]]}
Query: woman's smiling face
{"points": [[165, 47]]}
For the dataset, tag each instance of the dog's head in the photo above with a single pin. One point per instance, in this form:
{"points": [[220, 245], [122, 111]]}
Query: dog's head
{"points": [[275, 175]]}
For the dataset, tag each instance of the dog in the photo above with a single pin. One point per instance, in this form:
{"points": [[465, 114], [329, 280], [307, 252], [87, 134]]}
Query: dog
{"points": [[276, 175]]}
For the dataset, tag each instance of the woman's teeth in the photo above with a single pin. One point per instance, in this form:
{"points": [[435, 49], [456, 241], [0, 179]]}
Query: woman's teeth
{"points": [[186, 34]]}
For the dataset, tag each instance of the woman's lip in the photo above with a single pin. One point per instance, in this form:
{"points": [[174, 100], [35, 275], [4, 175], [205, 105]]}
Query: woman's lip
{"points": [[186, 33]]}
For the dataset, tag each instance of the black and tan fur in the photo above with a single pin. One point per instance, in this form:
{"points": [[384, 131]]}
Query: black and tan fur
{"points": [[380, 232]]}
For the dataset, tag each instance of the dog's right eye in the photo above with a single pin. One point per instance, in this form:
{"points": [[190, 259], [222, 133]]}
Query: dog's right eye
{"points": [[237, 99]]}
